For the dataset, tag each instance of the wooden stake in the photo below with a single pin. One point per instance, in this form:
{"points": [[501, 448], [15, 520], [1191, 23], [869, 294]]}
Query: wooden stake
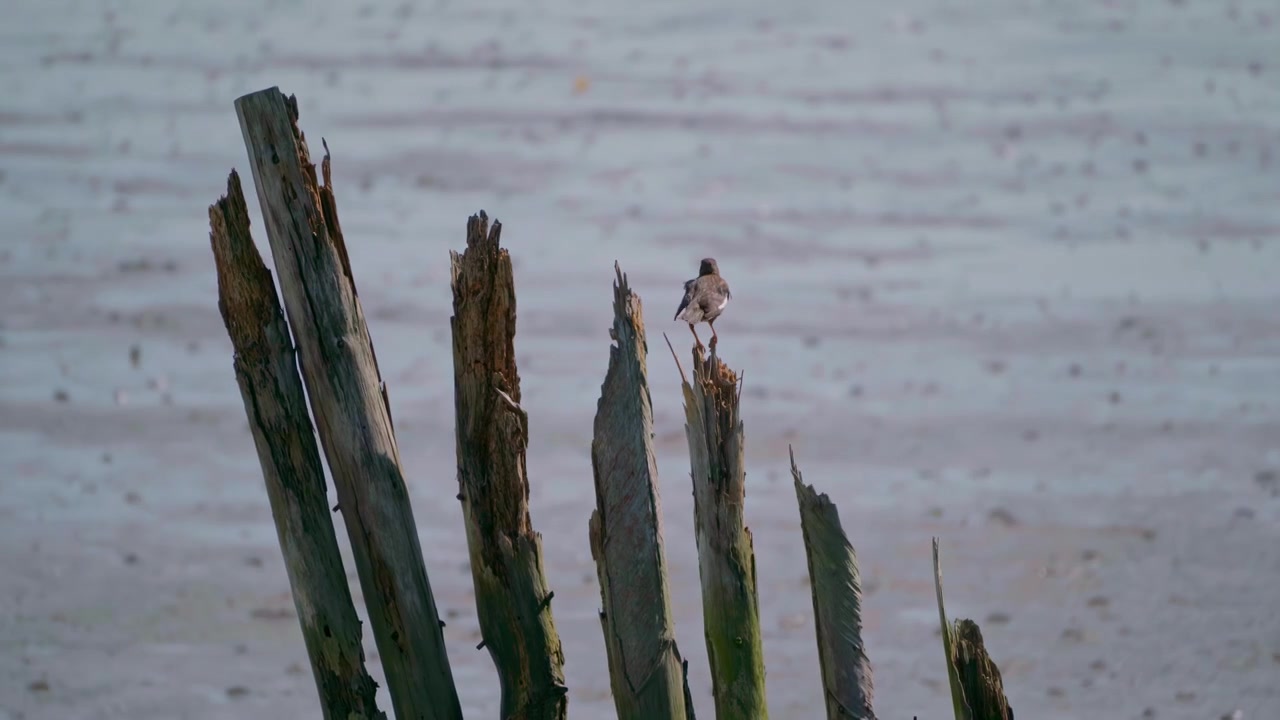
{"points": [[266, 371], [726, 558], [646, 671], [837, 604], [350, 405], [512, 597]]}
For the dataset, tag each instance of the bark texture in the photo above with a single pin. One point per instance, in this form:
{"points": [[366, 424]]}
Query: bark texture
{"points": [[646, 671], [267, 373], [726, 557], [512, 598], [837, 605], [349, 403]]}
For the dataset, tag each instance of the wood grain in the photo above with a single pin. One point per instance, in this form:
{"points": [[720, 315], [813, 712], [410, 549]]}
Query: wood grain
{"points": [[349, 403]]}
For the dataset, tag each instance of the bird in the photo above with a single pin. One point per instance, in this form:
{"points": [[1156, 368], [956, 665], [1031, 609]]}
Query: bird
{"points": [[705, 297]]}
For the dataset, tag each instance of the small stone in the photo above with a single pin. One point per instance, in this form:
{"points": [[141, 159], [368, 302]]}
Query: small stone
{"points": [[39, 686], [1098, 601], [998, 618], [61, 395], [237, 691]]}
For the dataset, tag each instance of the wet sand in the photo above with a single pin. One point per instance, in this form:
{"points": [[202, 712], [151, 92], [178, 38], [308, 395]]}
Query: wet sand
{"points": [[1004, 273]]}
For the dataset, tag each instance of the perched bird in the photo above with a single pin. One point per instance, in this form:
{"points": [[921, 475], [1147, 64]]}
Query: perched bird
{"points": [[705, 297]]}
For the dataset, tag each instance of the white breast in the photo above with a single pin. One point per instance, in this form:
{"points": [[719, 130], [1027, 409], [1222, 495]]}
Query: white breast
{"points": [[723, 303]]}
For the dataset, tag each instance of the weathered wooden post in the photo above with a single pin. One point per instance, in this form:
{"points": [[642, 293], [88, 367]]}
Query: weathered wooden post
{"points": [[979, 676], [349, 402], [837, 604], [977, 692], [512, 598], [267, 373], [646, 671], [726, 557]]}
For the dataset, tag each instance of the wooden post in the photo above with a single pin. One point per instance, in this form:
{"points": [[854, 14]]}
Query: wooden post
{"points": [[272, 391], [977, 692], [646, 671], [349, 402], [726, 558], [512, 598], [958, 703], [837, 604], [979, 675]]}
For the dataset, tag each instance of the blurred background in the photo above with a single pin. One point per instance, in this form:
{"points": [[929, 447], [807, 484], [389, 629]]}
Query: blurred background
{"points": [[1004, 272]]}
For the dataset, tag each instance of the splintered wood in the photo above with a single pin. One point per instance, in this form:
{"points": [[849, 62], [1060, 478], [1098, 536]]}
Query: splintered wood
{"points": [[512, 597], [726, 556], [979, 676], [267, 374], [647, 674], [837, 604], [349, 403]]}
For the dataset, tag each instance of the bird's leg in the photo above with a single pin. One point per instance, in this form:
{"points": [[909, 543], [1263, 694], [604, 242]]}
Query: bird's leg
{"points": [[696, 339], [714, 338]]}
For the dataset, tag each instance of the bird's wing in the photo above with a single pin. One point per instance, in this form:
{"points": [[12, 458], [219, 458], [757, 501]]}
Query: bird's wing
{"points": [[688, 296], [715, 295]]}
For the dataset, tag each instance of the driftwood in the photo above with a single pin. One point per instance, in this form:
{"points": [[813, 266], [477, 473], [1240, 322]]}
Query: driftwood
{"points": [[647, 674], [267, 373], [512, 598], [837, 605], [726, 557], [349, 402]]}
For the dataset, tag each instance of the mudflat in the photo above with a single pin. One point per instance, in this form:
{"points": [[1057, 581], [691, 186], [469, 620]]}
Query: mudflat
{"points": [[1003, 272]]}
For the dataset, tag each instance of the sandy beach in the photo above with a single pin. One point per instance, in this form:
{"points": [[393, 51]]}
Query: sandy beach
{"points": [[1004, 273]]}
